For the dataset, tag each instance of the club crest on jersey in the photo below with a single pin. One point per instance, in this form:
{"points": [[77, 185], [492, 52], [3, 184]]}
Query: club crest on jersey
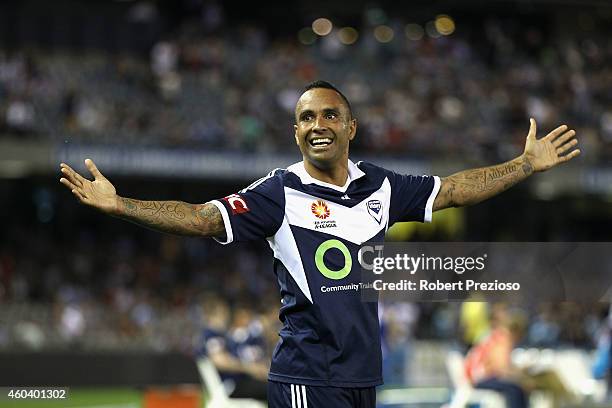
{"points": [[375, 209], [320, 209]]}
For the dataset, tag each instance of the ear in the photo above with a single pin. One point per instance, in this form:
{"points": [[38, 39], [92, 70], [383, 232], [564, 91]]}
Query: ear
{"points": [[295, 135], [352, 128]]}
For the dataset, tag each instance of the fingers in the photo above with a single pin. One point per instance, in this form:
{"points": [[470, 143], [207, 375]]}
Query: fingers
{"points": [[569, 156], [68, 184], [74, 177], [553, 135], [564, 138], [79, 195], [532, 129], [565, 147], [563, 143], [77, 191], [91, 166]]}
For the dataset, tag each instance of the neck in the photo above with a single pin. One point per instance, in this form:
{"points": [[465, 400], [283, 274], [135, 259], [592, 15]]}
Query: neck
{"points": [[336, 175]]}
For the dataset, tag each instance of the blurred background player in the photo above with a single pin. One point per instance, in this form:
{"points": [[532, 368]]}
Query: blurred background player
{"points": [[236, 346]]}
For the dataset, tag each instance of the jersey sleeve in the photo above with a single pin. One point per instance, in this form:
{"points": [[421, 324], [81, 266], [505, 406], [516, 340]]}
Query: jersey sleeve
{"points": [[412, 197], [253, 213]]}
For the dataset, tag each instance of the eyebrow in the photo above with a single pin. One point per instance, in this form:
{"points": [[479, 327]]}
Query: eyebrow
{"points": [[325, 110]]}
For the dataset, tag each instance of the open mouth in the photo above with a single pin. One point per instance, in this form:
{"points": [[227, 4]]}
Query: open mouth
{"points": [[320, 141]]}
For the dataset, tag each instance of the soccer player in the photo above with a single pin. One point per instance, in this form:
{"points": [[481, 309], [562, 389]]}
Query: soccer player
{"points": [[314, 215]]}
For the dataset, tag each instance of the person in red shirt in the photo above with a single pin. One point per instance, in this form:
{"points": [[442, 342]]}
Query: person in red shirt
{"points": [[488, 364]]}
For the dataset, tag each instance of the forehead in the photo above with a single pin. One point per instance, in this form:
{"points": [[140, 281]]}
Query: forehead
{"points": [[320, 98]]}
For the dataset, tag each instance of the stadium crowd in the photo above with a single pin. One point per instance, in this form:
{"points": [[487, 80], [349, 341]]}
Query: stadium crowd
{"points": [[465, 95]]}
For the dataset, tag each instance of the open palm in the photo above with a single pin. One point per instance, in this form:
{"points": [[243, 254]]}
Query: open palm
{"points": [[99, 193], [550, 150]]}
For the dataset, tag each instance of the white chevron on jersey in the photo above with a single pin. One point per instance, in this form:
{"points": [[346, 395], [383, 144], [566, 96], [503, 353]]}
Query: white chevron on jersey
{"points": [[354, 224], [285, 250]]}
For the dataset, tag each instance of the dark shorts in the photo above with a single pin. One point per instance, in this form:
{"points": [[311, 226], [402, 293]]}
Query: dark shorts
{"points": [[284, 395]]}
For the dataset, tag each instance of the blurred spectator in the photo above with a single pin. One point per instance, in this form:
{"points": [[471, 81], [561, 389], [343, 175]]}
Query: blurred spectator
{"points": [[474, 321], [544, 330], [71, 323], [602, 366], [489, 364], [30, 335], [397, 322], [20, 117]]}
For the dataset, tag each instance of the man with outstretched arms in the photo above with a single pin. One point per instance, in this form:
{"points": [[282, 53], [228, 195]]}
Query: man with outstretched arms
{"points": [[315, 214]]}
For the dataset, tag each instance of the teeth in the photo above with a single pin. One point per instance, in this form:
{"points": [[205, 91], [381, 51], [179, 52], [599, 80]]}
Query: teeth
{"points": [[319, 142]]}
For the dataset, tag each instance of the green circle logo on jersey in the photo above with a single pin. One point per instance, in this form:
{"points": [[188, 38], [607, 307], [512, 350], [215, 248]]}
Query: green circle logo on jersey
{"points": [[325, 271]]}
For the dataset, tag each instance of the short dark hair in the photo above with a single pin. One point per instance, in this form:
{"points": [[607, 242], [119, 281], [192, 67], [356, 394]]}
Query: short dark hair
{"points": [[327, 85]]}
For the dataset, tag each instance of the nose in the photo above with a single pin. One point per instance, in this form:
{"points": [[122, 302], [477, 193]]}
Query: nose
{"points": [[319, 125]]}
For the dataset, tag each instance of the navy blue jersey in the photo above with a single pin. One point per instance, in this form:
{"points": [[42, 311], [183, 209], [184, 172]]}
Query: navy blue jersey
{"points": [[329, 336]]}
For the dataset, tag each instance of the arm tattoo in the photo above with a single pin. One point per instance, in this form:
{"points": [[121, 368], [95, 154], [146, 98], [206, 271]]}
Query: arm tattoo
{"points": [[174, 217], [210, 216], [473, 186]]}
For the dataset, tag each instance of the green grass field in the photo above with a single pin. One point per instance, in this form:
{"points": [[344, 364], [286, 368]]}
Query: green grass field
{"points": [[84, 397]]}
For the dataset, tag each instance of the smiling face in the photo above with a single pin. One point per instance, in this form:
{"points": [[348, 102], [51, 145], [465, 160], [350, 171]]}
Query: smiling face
{"points": [[324, 127]]}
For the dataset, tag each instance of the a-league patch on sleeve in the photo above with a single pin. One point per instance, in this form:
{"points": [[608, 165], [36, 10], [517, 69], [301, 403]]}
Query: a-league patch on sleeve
{"points": [[237, 203]]}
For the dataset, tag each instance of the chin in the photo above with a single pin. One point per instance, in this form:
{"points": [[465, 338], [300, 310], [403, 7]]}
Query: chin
{"points": [[324, 159], [322, 162]]}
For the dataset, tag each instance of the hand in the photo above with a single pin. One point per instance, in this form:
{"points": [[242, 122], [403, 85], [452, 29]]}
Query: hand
{"points": [[549, 151], [99, 193]]}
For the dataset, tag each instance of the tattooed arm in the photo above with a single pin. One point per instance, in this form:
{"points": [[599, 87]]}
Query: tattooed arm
{"points": [[473, 186], [175, 217]]}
